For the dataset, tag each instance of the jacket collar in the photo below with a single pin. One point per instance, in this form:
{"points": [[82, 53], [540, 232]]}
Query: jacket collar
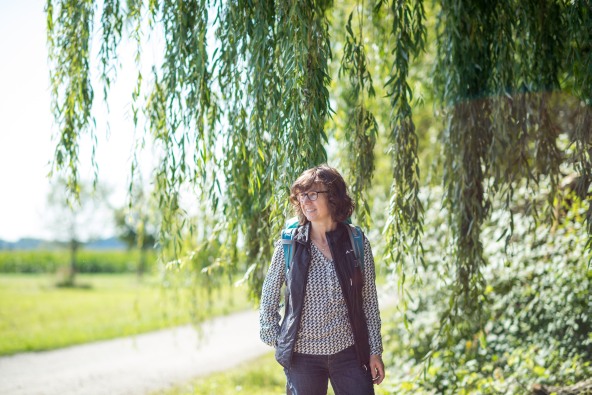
{"points": [[303, 233]]}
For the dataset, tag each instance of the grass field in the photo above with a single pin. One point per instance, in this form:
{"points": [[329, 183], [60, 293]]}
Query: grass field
{"points": [[262, 376], [36, 315]]}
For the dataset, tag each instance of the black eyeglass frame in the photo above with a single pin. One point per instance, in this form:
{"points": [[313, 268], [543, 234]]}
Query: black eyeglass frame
{"points": [[303, 195]]}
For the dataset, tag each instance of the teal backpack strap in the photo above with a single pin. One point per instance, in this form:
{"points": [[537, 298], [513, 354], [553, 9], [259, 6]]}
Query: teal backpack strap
{"points": [[288, 245], [355, 235], [357, 240], [287, 240]]}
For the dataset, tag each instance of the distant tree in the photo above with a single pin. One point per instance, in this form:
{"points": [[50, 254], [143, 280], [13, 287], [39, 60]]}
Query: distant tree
{"points": [[136, 227], [75, 221]]}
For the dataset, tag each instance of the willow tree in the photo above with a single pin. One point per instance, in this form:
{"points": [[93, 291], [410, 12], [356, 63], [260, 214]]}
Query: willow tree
{"points": [[239, 106]]}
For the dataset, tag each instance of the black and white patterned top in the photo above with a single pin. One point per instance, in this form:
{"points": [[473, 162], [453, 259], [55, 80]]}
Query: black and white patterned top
{"points": [[324, 327]]}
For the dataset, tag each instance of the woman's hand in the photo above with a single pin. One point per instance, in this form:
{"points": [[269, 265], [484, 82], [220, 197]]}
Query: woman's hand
{"points": [[376, 369]]}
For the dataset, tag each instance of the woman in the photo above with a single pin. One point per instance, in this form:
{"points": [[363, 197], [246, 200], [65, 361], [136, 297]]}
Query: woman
{"points": [[331, 325]]}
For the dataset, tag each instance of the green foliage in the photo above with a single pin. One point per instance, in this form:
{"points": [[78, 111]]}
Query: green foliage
{"points": [[361, 127], [239, 102], [534, 325], [88, 261], [500, 117], [35, 315], [404, 226], [272, 69], [69, 32]]}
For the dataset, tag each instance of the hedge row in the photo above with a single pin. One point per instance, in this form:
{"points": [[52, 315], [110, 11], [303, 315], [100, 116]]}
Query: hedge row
{"points": [[111, 261]]}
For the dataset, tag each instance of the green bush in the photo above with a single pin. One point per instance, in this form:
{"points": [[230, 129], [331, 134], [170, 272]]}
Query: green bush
{"points": [[535, 312], [87, 261]]}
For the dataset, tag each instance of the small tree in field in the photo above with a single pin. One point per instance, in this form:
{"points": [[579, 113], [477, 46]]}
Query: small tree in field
{"points": [[74, 222], [135, 226]]}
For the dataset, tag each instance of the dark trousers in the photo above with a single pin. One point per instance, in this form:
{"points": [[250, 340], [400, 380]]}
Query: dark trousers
{"points": [[310, 374]]}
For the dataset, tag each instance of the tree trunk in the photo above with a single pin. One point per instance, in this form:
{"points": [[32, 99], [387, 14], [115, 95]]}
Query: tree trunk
{"points": [[142, 263], [73, 261], [581, 388]]}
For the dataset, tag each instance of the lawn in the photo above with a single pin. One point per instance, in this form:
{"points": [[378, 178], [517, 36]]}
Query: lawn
{"points": [[37, 315], [262, 376]]}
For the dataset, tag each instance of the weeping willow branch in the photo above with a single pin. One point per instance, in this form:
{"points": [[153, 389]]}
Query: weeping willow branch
{"points": [[239, 115], [112, 26], [361, 129], [501, 128], [579, 22], [69, 30], [180, 106], [405, 221], [468, 29], [279, 52], [304, 53], [248, 60]]}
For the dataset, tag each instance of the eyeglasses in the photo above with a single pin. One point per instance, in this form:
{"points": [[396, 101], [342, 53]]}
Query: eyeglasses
{"points": [[312, 195]]}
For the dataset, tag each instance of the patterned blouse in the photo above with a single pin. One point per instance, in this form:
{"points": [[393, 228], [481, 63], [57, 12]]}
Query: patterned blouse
{"points": [[324, 327]]}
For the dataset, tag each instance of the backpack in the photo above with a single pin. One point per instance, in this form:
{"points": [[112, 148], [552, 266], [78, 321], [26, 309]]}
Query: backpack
{"points": [[355, 235]]}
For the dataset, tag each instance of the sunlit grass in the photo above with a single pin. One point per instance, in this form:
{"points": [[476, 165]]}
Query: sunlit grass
{"points": [[37, 315], [261, 376]]}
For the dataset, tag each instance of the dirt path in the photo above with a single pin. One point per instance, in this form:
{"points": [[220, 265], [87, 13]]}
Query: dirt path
{"points": [[135, 365]]}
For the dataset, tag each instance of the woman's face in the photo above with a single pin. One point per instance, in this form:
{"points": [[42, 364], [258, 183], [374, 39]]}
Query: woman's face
{"points": [[316, 210]]}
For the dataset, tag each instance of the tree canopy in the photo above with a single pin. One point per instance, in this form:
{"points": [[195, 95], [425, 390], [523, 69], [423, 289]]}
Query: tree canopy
{"points": [[240, 105]]}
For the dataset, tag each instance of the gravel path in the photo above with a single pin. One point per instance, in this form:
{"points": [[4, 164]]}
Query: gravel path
{"points": [[135, 365]]}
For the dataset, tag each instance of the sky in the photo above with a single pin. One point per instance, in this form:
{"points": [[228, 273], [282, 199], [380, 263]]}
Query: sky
{"points": [[27, 128]]}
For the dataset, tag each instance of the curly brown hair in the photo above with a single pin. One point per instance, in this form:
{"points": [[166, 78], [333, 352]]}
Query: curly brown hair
{"points": [[341, 205]]}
